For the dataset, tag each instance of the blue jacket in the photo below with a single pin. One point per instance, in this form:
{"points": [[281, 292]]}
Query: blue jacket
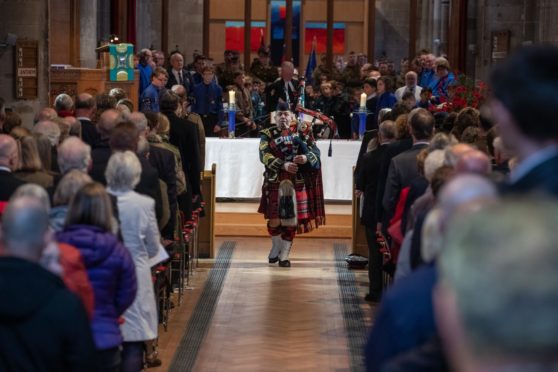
{"points": [[427, 78], [145, 73], [112, 274], [405, 318], [208, 99], [440, 88], [149, 100], [385, 100]]}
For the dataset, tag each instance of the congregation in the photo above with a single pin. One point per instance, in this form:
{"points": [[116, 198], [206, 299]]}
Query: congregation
{"points": [[93, 195]]}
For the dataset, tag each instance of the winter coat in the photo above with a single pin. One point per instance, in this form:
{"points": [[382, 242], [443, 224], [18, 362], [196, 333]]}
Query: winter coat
{"points": [[75, 276], [112, 274], [43, 327], [141, 236]]}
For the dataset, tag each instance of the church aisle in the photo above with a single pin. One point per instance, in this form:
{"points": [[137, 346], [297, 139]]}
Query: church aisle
{"points": [[268, 318]]}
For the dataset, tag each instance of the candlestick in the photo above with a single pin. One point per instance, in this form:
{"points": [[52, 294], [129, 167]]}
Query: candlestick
{"points": [[363, 100]]}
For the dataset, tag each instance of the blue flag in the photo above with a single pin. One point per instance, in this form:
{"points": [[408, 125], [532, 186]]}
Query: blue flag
{"points": [[311, 65]]}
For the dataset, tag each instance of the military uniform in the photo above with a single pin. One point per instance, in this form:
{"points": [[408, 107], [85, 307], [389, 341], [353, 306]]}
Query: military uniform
{"points": [[277, 148], [225, 73], [266, 73]]}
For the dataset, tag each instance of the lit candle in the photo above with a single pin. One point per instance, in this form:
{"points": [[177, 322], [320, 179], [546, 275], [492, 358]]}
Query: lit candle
{"points": [[232, 99], [363, 100]]}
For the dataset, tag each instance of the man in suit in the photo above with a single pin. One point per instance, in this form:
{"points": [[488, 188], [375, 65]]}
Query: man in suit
{"points": [[284, 90], [367, 184], [178, 75], [525, 107], [102, 152], [9, 159], [403, 168], [405, 317], [162, 160], [85, 109], [184, 135]]}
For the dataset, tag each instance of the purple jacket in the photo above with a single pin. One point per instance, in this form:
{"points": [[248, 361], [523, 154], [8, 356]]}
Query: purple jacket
{"points": [[112, 274]]}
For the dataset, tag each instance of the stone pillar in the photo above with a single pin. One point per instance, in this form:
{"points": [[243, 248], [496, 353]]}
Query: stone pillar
{"points": [[27, 19], [186, 27], [149, 24], [392, 22], [88, 33]]}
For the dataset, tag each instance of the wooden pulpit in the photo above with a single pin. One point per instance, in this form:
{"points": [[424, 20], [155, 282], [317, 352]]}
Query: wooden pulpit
{"points": [[73, 81]]}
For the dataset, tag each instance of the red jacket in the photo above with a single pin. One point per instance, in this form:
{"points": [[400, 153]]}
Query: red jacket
{"points": [[75, 276]]}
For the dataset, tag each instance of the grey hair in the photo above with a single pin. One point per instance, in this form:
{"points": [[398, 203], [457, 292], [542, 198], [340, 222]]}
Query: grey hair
{"points": [[49, 129], [123, 171], [63, 102], [68, 186], [501, 266], [433, 161], [73, 153], [441, 141], [139, 120], [33, 191]]}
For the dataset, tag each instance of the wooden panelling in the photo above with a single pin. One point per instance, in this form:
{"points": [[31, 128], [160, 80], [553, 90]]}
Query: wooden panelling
{"points": [[227, 10], [60, 31]]}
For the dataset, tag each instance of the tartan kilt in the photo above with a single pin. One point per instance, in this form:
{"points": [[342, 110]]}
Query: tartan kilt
{"points": [[309, 198]]}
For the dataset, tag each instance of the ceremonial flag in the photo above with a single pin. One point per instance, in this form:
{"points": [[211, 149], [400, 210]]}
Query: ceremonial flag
{"points": [[312, 63]]}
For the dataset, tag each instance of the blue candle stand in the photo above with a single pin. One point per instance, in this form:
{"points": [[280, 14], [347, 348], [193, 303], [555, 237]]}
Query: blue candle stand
{"points": [[230, 110], [362, 113]]}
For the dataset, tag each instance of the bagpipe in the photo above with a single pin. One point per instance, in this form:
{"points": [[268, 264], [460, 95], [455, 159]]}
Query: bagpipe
{"points": [[323, 127]]}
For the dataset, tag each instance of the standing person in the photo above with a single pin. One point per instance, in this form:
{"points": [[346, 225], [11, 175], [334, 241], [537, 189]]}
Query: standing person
{"points": [[85, 111], [136, 214], [245, 110], [43, 327], [284, 90], [367, 184], [292, 195], [178, 75], [149, 100], [523, 118], [208, 103], [145, 67], [110, 268], [262, 68]]}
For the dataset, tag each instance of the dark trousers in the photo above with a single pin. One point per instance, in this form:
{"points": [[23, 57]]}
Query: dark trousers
{"points": [[209, 121], [132, 356], [108, 360], [374, 263]]}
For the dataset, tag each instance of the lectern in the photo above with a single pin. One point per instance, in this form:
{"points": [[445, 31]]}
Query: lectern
{"points": [[75, 80]]}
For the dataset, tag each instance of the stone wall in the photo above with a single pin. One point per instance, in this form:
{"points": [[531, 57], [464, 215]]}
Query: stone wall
{"points": [[148, 24], [186, 26], [392, 29], [27, 19]]}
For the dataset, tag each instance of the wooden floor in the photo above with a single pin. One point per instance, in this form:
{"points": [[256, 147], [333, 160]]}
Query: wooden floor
{"points": [[269, 318]]}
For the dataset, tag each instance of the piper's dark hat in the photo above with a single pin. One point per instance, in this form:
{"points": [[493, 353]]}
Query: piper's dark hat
{"points": [[283, 106]]}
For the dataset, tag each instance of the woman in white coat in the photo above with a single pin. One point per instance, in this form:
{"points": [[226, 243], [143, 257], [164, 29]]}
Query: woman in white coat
{"points": [[140, 233]]}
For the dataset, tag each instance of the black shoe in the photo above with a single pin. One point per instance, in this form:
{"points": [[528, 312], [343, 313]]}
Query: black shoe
{"points": [[372, 297], [273, 260], [152, 362], [285, 263]]}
